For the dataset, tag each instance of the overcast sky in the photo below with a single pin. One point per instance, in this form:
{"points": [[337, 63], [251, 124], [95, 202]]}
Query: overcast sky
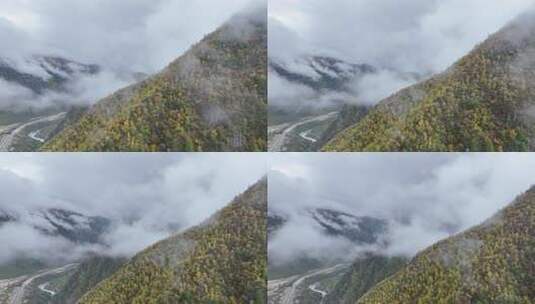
{"points": [[425, 197], [121, 36], [414, 36], [154, 190], [137, 35]]}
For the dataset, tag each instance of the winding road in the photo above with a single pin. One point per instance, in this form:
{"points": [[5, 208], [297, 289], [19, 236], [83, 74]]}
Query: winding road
{"points": [[316, 290], [285, 291], [18, 287], [43, 288], [278, 134], [8, 133], [35, 136], [305, 136]]}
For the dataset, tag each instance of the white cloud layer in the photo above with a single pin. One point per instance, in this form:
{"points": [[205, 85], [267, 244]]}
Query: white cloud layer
{"points": [[425, 197], [123, 37], [146, 196], [415, 37]]}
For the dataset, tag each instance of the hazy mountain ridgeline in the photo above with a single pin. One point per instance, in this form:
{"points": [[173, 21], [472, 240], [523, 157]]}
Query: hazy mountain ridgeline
{"points": [[321, 73], [71, 229], [491, 263], [36, 92], [60, 223], [212, 98], [222, 260], [39, 86], [482, 103], [49, 73], [331, 223]]}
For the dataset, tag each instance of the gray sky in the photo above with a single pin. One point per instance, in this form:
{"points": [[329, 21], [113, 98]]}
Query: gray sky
{"points": [[156, 190], [137, 35], [415, 36], [426, 197]]}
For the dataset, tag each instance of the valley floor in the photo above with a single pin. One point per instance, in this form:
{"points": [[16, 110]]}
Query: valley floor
{"points": [[9, 134], [14, 291], [293, 290], [289, 136]]}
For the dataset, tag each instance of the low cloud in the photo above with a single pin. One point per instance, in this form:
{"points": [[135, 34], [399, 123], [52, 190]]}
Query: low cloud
{"points": [[375, 87], [124, 38], [283, 93], [424, 197], [149, 196], [12, 95], [419, 37]]}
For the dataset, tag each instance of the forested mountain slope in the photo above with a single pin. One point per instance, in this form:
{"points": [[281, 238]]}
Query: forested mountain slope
{"points": [[491, 263], [221, 261], [212, 98], [484, 102]]}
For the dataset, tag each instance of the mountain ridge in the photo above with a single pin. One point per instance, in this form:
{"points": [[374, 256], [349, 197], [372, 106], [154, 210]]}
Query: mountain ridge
{"points": [[55, 222], [492, 262], [481, 103], [212, 98], [221, 260]]}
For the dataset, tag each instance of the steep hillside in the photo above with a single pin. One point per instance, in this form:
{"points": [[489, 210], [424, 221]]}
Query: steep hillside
{"points": [[348, 116], [484, 102], [86, 276], [363, 274], [221, 261], [212, 98], [491, 263]]}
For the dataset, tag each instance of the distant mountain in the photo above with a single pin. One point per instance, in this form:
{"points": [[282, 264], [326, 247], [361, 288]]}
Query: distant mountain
{"points": [[73, 226], [44, 73], [220, 261], [490, 263], [321, 73], [5, 217], [274, 222], [484, 102], [357, 229], [335, 223], [212, 98], [69, 225]]}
